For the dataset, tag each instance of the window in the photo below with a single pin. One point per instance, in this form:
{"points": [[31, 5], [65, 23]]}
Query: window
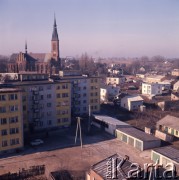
{"points": [[23, 98], [65, 103], [84, 95], [12, 96], [13, 119], [84, 101], [14, 130], [49, 104], [65, 86], [13, 108], [49, 122], [4, 143], [24, 108], [2, 97], [4, 132], [41, 97], [64, 120], [49, 96], [3, 121], [64, 95], [58, 95], [58, 87], [84, 87], [49, 113], [84, 108], [2, 109], [176, 132], [91, 94], [14, 141]]}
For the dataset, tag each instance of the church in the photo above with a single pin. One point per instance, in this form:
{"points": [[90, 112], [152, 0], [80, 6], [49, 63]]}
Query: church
{"points": [[39, 62]]}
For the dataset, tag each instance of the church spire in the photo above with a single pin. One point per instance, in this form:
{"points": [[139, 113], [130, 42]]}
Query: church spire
{"points": [[55, 33], [26, 47]]}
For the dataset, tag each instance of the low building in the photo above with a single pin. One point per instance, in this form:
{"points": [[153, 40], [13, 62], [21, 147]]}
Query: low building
{"points": [[154, 79], [11, 119], [174, 96], [104, 169], [170, 125], [175, 72], [108, 92], [115, 80], [107, 123], [176, 86], [136, 138], [165, 155], [132, 103], [151, 89]]}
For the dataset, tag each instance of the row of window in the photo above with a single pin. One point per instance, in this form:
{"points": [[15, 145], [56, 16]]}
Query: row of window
{"points": [[12, 142], [63, 95], [63, 86], [13, 108], [62, 112], [11, 120], [5, 97], [63, 120], [4, 132], [94, 94]]}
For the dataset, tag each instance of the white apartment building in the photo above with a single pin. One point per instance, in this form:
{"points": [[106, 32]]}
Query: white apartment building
{"points": [[176, 86], [115, 80], [151, 89], [132, 103], [108, 92]]}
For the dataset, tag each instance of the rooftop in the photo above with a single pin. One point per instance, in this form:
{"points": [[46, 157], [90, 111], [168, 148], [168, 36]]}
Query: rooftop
{"points": [[9, 90], [134, 98], [109, 120], [169, 121], [137, 134], [101, 168], [169, 152]]}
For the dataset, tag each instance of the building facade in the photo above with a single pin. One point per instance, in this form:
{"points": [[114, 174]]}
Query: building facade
{"points": [[11, 119], [151, 89], [115, 80]]}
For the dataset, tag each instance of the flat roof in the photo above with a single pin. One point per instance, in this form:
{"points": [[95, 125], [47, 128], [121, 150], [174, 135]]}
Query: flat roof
{"points": [[169, 152], [101, 168], [169, 121], [9, 90], [134, 98], [137, 134], [109, 120]]}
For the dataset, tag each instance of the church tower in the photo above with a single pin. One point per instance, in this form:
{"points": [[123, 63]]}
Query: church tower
{"points": [[55, 43]]}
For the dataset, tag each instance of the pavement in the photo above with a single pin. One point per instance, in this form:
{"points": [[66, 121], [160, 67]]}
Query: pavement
{"points": [[59, 152]]}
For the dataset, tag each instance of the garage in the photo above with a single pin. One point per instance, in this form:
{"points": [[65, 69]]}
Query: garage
{"points": [[136, 138]]}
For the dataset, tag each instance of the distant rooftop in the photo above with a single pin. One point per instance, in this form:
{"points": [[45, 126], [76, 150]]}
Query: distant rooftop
{"points": [[169, 121], [134, 98]]}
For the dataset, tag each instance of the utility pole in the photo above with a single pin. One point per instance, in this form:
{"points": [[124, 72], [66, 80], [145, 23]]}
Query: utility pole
{"points": [[89, 119], [78, 126]]}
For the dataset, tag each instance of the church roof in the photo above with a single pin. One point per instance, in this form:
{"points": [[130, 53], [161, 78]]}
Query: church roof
{"points": [[13, 57], [41, 57]]}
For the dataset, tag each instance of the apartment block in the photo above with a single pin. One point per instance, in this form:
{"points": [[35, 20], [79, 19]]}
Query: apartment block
{"points": [[115, 80], [46, 104], [85, 93], [11, 120], [151, 89]]}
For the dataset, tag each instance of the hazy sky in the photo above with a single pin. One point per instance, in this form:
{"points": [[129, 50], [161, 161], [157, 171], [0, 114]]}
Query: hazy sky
{"points": [[106, 28]]}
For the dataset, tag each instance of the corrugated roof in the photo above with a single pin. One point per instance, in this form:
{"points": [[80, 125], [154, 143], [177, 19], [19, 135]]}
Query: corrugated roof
{"points": [[101, 168], [168, 152], [169, 121], [137, 134]]}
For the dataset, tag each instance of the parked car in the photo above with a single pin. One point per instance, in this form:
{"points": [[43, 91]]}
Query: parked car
{"points": [[36, 142]]}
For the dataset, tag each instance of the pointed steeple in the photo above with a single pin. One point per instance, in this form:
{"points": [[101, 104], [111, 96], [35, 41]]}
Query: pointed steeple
{"points": [[26, 47], [55, 33]]}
